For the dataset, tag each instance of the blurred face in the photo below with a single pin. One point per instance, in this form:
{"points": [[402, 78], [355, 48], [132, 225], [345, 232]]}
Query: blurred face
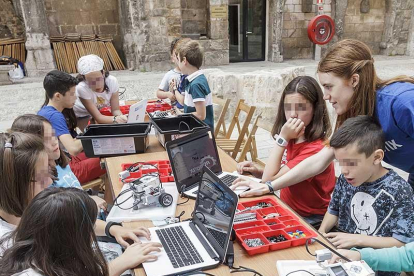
{"points": [[356, 167], [181, 63], [337, 91], [42, 177], [296, 106], [174, 58], [95, 81], [69, 98], [51, 142]]}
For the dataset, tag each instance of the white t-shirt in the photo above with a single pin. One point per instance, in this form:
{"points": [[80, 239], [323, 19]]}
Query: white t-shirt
{"points": [[27, 272], [99, 99], [5, 228], [165, 83]]}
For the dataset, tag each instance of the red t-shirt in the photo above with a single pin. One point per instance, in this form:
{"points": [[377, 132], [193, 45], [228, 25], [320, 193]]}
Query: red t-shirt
{"points": [[312, 196]]}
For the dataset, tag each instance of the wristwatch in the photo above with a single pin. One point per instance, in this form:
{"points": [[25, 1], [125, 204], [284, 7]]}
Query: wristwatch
{"points": [[114, 120], [281, 141], [108, 226], [269, 184]]}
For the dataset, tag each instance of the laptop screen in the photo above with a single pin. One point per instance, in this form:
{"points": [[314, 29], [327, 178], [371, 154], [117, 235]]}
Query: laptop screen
{"points": [[214, 211], [190, 154]]}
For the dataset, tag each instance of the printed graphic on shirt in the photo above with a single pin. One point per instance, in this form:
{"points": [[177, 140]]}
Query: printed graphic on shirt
{"points": [[100, 103], [391, 145], [367, 211]]}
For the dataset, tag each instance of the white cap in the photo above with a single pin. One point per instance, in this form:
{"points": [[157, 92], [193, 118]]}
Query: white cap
{"points": [[90, 63]]}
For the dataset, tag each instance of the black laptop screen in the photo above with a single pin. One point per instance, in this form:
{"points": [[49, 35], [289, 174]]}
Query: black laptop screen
{"points": [[189, 156], [215, 208]]}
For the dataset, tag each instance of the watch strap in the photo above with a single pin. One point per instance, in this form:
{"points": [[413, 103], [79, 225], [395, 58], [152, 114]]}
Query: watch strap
{"points": [[108, 226], [269, 184]]}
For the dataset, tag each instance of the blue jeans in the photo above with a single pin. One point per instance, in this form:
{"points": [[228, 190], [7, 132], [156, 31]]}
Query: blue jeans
{"points": [[314, 220]]}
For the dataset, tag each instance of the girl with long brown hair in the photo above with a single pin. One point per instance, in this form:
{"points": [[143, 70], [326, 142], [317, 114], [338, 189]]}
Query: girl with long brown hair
{"points": [[44, 241], [351, 85], [302, 126]]}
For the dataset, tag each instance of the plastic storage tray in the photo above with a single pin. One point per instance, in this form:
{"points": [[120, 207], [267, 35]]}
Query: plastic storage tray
{"points": [[115, 139], [270, 221], [163, 166], [167, 129], [151, 107]]}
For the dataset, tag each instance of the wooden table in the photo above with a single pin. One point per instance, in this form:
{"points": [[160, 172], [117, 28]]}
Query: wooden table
{"points": [[263, 263]]}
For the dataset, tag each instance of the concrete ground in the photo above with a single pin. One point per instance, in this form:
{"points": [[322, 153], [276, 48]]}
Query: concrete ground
{"points": [[27, 95]]}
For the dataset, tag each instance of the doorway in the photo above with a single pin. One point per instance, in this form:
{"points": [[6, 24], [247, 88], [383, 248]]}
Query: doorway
{"points": [[247, 29]]}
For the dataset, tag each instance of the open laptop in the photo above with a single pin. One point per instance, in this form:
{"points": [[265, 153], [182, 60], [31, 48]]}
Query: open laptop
{"points": [[201, 243], [189, 154], [137, 112]]}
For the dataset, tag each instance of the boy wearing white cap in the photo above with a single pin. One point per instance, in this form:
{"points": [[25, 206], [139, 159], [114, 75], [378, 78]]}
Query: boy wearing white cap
{"points": [[96, 89]]}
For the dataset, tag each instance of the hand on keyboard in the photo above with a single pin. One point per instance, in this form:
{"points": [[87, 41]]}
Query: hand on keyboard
{"points": [[135, 255]]}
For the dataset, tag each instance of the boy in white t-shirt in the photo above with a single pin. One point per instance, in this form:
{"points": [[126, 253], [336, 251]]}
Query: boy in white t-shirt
{"points": [[171, 80], [96, 89]]}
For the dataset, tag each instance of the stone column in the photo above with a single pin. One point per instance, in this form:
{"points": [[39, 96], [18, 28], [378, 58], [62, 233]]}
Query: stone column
{"points": [[410, 44], [39, 59], [275, 12], [147, 28]]}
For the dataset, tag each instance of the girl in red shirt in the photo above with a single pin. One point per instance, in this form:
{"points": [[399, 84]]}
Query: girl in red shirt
{"points": [[301, 128]]}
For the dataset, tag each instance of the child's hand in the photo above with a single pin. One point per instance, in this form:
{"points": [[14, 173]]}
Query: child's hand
{"points": [[101, 203], [250, 167], [256, 188], [123, 234], [293, 129], [171, 96], [353, 255], [137, 253], [121, 119], [173, 85], [343, 240]]}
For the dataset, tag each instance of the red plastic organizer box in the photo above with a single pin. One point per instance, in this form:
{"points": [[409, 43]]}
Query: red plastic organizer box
{"points": [[163, 166], [263, 227], [152, 106]]}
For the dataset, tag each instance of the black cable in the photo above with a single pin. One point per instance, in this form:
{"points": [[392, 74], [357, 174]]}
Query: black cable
{"points": [[300, 270], [244, 269], [180, 215], [327, 247], [195, 272]]}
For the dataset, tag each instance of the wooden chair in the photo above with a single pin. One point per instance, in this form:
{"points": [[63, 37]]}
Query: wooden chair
{"points": [[93, 183], [250, 145], [221, 124], [233, 146]]}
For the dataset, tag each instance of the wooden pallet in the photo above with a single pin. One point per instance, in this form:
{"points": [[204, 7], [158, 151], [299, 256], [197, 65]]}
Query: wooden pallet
{"points": [[13, 47], [69, 48]]}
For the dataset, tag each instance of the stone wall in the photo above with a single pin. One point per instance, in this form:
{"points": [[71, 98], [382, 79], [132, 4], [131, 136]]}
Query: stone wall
{"points": [[259, 88], [194, 14], [11, 24], [398, 27], [84, 17], [367, 27], [295, 41]]}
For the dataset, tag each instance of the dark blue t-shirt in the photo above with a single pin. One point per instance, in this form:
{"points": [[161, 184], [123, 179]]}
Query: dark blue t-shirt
{"points": [[382, 208], [395, 112], [57, 120]]}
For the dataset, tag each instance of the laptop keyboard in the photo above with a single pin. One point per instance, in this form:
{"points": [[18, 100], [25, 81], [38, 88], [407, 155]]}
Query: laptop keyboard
{"points": [[228, 179], [218, 235], [180, 250]]}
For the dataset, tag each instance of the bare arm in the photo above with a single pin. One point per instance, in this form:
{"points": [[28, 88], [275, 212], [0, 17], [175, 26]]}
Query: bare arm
{"points": [[272, 167], [200, 112], [72, 145], [308, 168], [346, 240], [161, 94], [328, 223], [93, 110], [115, 110], [378, 242], [179, 97]]}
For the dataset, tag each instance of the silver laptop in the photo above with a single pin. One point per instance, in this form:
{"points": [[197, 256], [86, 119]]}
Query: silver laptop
{"points": [[189, 154], [201, 243], [137, 112]]}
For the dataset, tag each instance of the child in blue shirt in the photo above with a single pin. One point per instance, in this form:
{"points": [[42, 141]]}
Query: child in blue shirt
{"points": [[197, 98], [371, 204]]}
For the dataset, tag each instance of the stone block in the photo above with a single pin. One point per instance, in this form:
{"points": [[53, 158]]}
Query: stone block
{"points": [[194, 14], [219, 44], [289, 8], [108, 29], [219, 30], [197, 4], [289, 25], [173, 4], [4, 74], [297, 16], [298, 8], [85, 29], [160, 12], [66, 29], [216, 58]]}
